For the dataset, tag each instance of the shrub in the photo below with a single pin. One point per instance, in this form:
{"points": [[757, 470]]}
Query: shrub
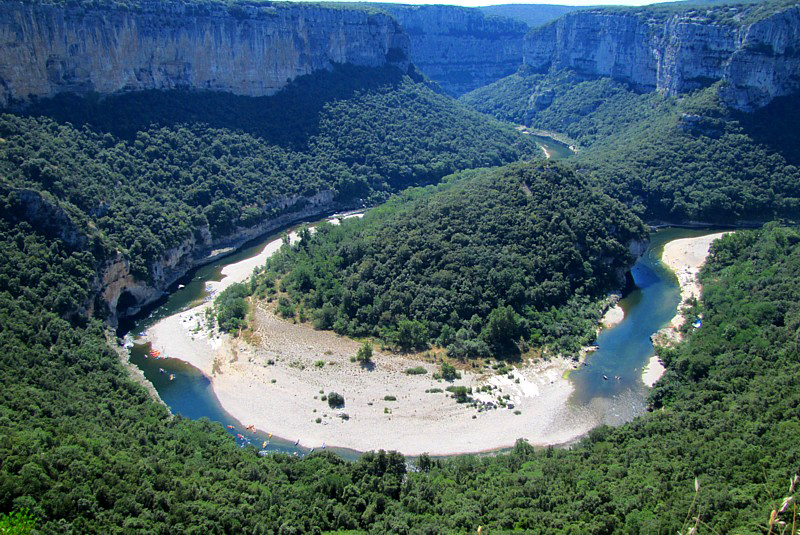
{"points": [[448, 372], [231, 307], [460, 393], [364, 355], [335, 400], [285, 308], [389, 398], [418, 370]]}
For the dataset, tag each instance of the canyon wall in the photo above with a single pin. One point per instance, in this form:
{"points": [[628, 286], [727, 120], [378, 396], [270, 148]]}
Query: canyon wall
{"points": [[461, 48], [248, 49], [125, 295], [679, 51]]}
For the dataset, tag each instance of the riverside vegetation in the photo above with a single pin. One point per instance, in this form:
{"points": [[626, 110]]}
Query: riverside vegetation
{"points": [[674, 159], [486, 263], [84, 449], [149, 169]]}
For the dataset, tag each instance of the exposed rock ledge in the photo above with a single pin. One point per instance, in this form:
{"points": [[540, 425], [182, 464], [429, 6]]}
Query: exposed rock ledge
{"points": [[125, 295]]}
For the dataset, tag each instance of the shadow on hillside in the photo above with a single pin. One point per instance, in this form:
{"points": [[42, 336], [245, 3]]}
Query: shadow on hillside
{"points": [[775, 126], [288, 119]]}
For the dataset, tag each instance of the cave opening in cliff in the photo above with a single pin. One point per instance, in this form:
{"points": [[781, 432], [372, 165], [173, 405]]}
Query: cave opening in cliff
{"points": [[125, 302]]}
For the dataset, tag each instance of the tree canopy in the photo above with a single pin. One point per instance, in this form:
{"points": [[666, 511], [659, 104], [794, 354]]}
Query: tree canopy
{"points": [[672, 159], [150, 170], [475, 265]]}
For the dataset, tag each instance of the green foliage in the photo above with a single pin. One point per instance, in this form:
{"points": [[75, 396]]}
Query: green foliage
{"points": [[86, 450], [503, 328], [335, 400], [285, 308], [698, 162], [364, 354], [448, 372], [535, 243], [150, 170], [409, 334], [20, 522], [460, 393], [231, 307], [417, 370], [508, 98], [678, 160]]}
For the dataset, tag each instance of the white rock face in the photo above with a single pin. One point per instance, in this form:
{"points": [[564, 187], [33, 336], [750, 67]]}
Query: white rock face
{"points": [[45, 50], [461, 48], [679, 53]]}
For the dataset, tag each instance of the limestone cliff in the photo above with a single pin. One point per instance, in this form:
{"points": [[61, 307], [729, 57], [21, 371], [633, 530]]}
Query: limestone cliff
{"points": [[125, 295], [253, 50], [461, 48], [679, 51]]}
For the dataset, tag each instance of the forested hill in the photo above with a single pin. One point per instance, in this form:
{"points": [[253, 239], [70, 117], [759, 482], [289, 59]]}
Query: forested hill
{"points": [[164, 177], [674, 159], [86, 450], [485, 264]]}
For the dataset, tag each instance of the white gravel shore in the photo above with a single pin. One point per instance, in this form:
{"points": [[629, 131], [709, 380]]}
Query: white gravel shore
{"points": [[276, 385], [684, 257]]}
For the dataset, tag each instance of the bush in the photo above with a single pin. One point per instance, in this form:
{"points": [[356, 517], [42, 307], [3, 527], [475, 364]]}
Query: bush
{"points": [[335, 400], [460, 393], [364, 355], [419, 370], [448, 372], [231, 307], [389, 398], [285, 308]]}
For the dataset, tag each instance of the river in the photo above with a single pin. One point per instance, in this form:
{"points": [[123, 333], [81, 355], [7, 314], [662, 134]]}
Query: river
{"points": [[555, 150], [622, 350]]}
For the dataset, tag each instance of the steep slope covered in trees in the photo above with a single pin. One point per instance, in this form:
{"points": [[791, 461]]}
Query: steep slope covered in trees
{"points": [[178, 173], [85, 449], [676, 159], [514, 254]]}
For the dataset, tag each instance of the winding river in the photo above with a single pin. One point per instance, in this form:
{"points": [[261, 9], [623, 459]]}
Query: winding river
{"points": [[622, 350], [608, 386]]}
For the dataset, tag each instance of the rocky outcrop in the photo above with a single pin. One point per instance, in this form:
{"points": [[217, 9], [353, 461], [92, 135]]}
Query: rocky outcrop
{"points": [[461, 48], [678, 52], [247, 49], [44, 214], [125, 295]]}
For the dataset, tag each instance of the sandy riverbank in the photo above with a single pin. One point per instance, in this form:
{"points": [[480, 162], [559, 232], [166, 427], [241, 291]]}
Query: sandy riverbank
{"points": [[652, 371], [612, 317], [275, 384], [684, 257]]}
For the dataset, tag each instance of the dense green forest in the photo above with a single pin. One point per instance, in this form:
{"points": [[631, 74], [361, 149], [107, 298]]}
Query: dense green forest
{"points": [[86, 450], [674, 159], [149, 169], [481, 265], [483, 261]]}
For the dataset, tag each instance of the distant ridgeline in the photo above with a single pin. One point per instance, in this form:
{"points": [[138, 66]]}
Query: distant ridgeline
{"points": [[485, 264], [680, 158], [165, 177], [460, 48]]}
